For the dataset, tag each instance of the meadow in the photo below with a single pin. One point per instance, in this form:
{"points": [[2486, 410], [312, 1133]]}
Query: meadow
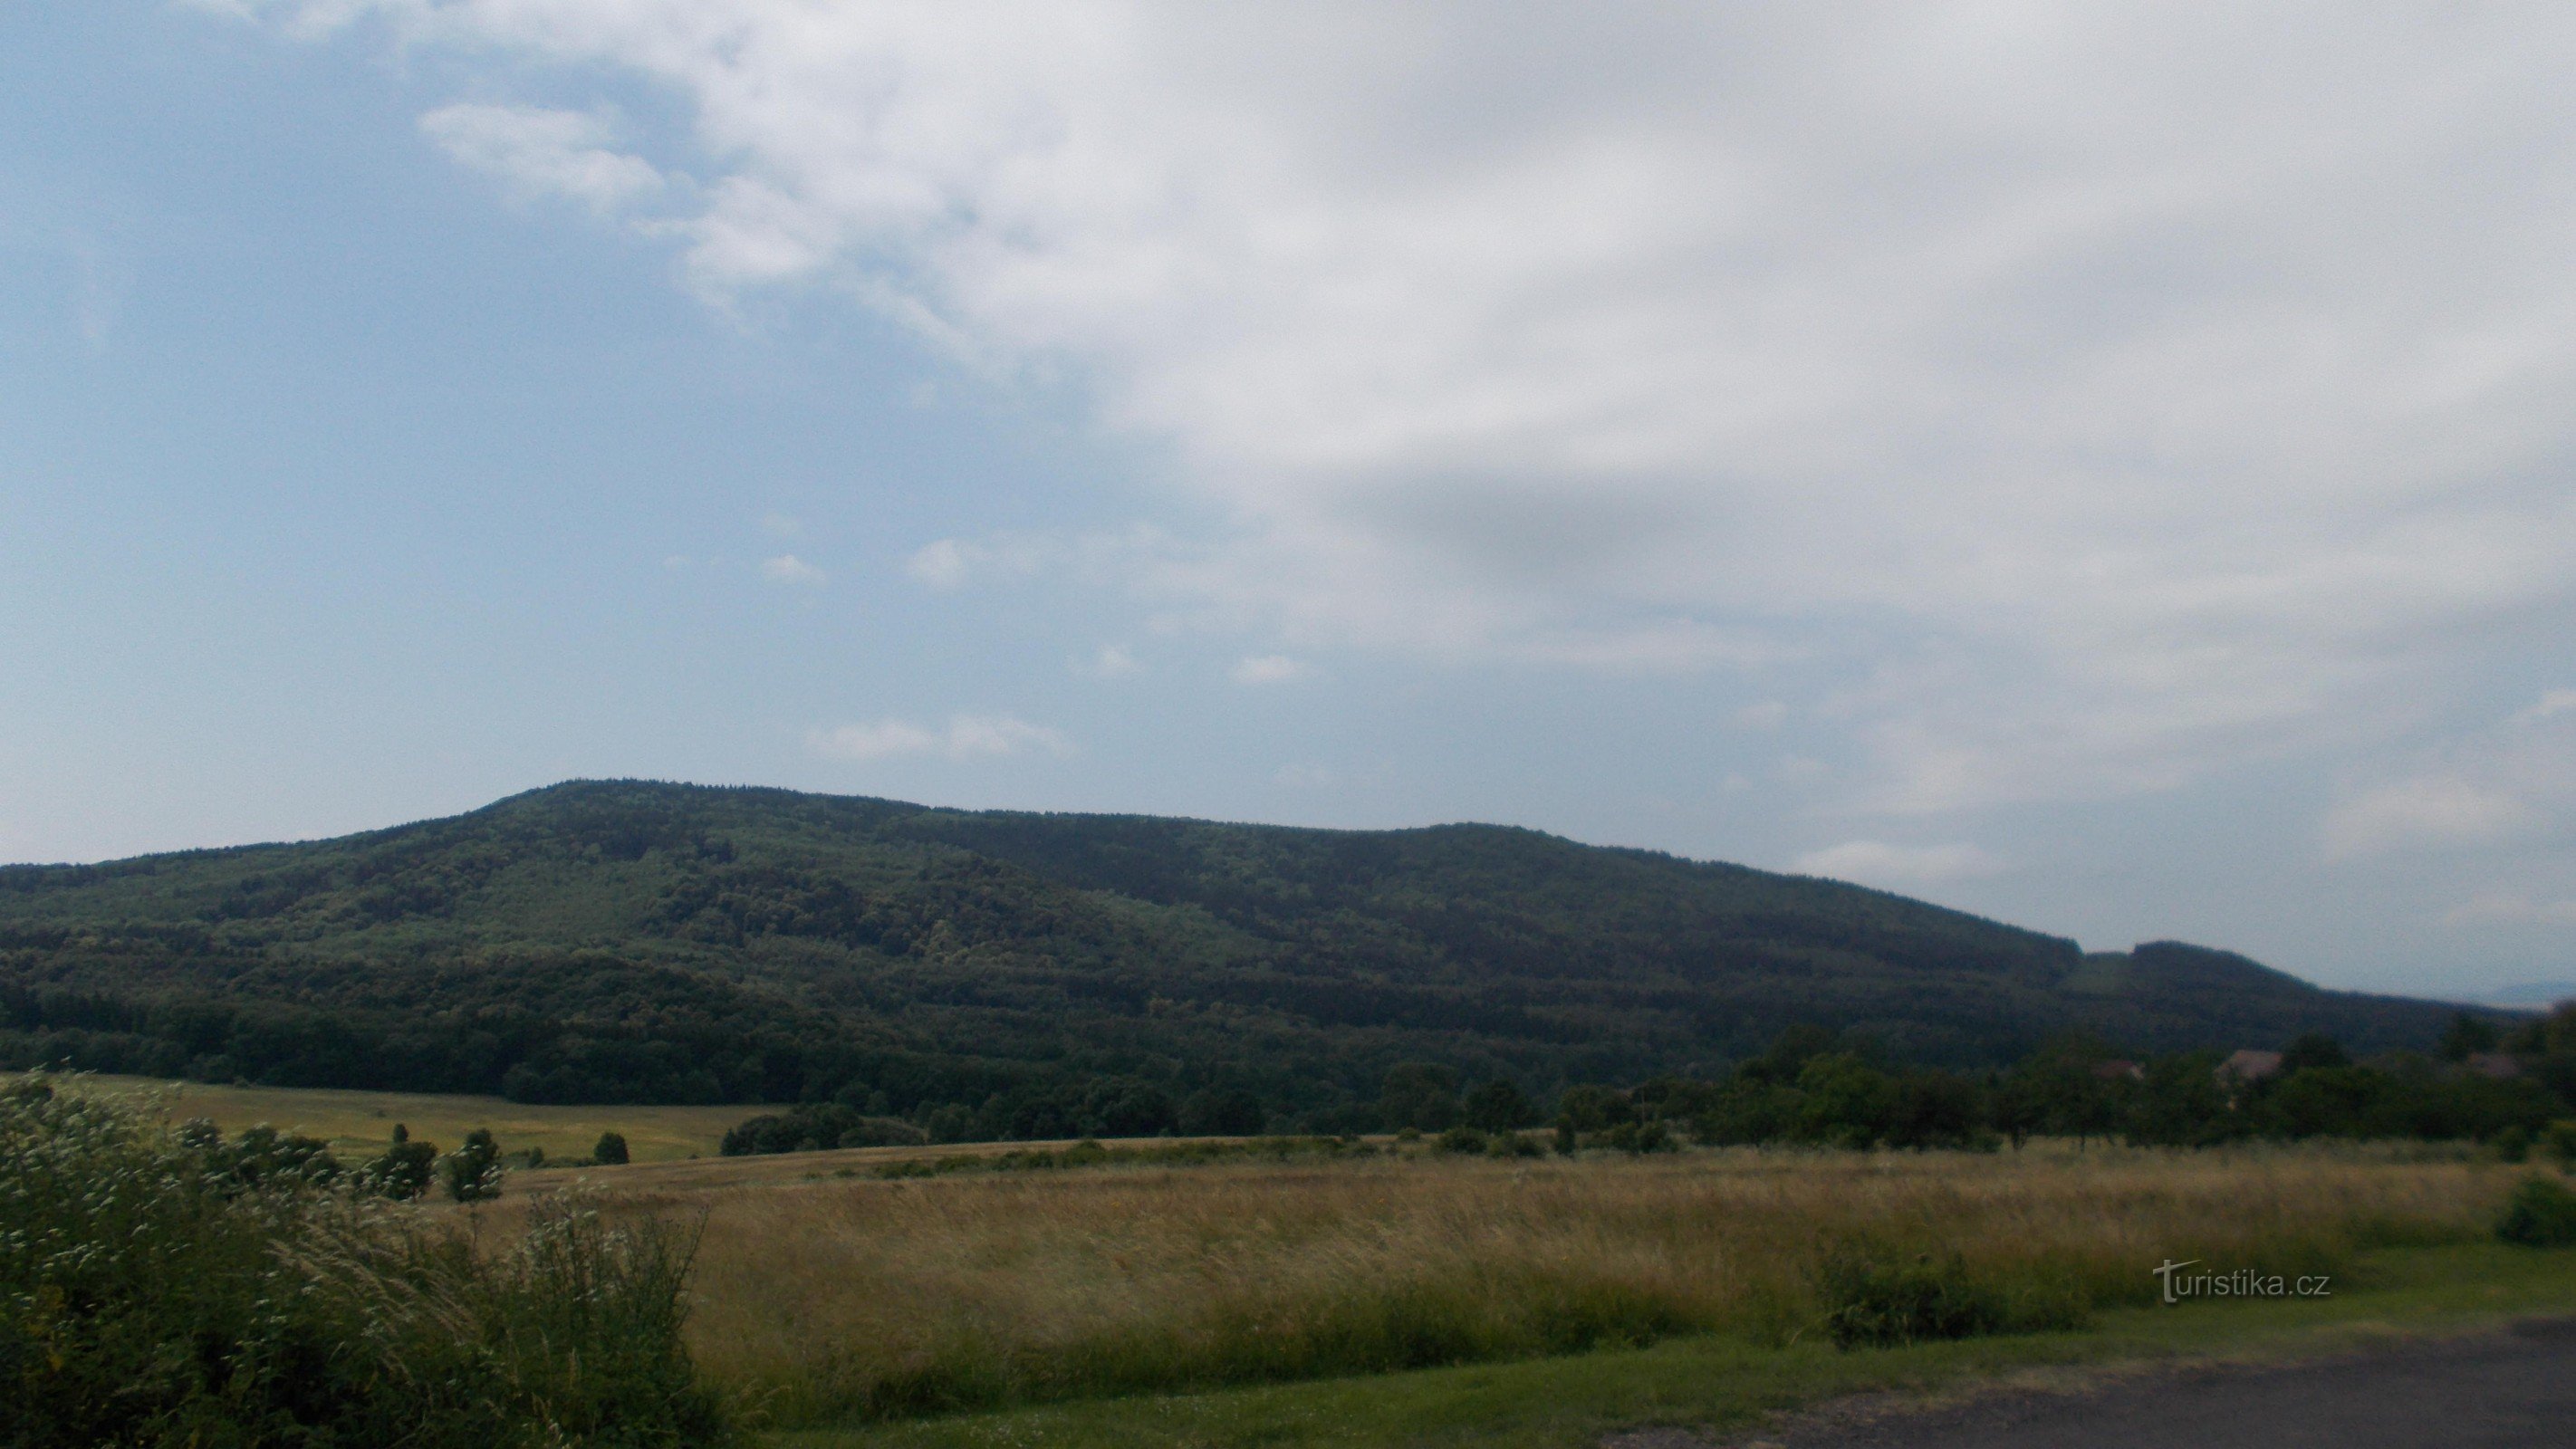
{"points": [[1375, 1290], [835, 1295], [356, 1124]]}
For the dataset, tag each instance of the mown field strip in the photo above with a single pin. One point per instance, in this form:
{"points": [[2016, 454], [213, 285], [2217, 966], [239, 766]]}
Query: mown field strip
{"points": [[356, 1124]]}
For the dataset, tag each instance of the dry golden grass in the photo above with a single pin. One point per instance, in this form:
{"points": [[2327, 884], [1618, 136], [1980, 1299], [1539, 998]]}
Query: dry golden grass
{"points": [[356, 1124], [867, 1297]]}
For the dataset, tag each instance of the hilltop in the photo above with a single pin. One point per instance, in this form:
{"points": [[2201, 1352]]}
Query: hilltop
{"points": [[646, 942]]}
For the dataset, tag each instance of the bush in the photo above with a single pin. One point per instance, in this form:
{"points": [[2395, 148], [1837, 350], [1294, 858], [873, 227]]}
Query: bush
{"points": [[1461, 1138], [2513, 1144], [611, 1151], [1873, 1304], [2540, 1214], [2559, 1140], [151, 1298]]}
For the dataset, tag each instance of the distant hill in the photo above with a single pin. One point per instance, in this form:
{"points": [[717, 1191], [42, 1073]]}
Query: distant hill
{"points": [[633, 941]]}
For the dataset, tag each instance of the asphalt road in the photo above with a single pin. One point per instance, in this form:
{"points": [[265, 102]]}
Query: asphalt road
{"points": [[2514, 1389]]}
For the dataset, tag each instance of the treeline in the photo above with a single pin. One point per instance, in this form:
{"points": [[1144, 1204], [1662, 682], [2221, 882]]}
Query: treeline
{"points": [[626, 942], [1814, 1088]]}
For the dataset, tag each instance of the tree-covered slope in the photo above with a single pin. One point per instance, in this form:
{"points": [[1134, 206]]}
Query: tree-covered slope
{"points": [[624, 940]]}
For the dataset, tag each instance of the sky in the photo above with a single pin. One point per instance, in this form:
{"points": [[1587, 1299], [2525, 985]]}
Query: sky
{"points": [[2103, 467]]}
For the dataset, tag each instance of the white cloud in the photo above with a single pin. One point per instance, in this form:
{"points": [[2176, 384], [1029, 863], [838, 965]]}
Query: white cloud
{"points": [[2509, 908], [2433, 811], [1874, 862], [788, 569], [967, 737], [1112, 661], [543, 152], [1268, 669], [2551, 704], [951, 562], [2512, 782], [1769, 714], [942, 565], [2121, 391], [782, 525]]}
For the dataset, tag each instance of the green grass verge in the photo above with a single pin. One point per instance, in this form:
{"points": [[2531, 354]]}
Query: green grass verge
{"points": [[1723, 1383]]}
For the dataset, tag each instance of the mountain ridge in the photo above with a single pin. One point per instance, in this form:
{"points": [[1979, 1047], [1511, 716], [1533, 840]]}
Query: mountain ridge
{"points": [[638, 940]]}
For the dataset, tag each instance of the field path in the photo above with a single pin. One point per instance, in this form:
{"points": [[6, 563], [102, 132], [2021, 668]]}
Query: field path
{"points": [[2514, 1389]]}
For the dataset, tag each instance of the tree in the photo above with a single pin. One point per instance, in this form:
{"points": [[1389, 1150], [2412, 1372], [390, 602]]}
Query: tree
{"points": [[1846, 1101], [1588, 1109], [1498, 1106], [2466, 1037], [1221, 1112], [611, 1150], [2314, 1049], [1421, 1096], [472, 1172], [404, 1170]]}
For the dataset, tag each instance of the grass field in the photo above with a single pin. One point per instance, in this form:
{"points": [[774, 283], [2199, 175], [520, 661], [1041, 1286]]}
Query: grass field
{"points": [[356, 1124], [1393, 1295], [1728, 1385], [828, 1298]]}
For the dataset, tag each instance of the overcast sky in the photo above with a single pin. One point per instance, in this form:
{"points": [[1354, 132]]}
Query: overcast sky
{"points": [[2106, 467]]}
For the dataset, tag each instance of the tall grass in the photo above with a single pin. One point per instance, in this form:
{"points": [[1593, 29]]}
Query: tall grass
{"points": [[888, 1298], [149, 1299]]}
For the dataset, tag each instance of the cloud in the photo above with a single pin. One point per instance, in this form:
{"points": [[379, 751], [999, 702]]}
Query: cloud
{"points": [[2511, 782], [1874, 862], [543, 152], [2551, 704], [1768, 714], [967, 737], [1268, 669], [1113, 661], [781, 525], [2110, 395], [950, 563], [2432, 811], [2508, 908], [942, 565], [788, 569]]}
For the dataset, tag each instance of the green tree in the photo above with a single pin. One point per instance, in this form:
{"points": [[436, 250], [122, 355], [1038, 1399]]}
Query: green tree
{"points": [[2313, 1049], [1498, 1106], [2466, 1036], [1419, 1095], [610, 1150], [472, 1173], [404, 1170], [1844, 1101]]}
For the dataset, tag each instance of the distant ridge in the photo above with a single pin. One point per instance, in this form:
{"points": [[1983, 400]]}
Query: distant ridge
{"points": [[626, 940]]}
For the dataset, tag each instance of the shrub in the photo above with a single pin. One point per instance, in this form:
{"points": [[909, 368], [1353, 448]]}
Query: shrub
{"points": [[611, 1151], [151, 1298], [2559, 1140], [2513, 1144], [2540, 1214], [1870, 1303], [1461, 1138]]}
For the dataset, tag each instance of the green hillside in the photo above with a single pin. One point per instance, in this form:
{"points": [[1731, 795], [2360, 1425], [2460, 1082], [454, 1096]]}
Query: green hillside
{"points": [[629, 941]]}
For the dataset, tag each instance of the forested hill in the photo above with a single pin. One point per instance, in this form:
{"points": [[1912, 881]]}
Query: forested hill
{"points": [[619, 940]]}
